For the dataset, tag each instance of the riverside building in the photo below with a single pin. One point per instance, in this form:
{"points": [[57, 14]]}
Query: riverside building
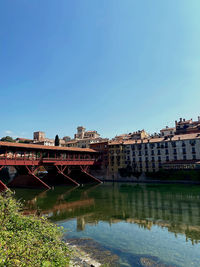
{"points": [[167, 150], [83, 138]]}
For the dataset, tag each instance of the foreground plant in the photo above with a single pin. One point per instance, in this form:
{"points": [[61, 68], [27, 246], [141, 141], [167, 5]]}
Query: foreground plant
{"points": [[28, 240]]}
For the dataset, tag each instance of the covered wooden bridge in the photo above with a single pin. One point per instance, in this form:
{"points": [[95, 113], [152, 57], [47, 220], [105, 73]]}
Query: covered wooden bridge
{"points": [[72, 164]]}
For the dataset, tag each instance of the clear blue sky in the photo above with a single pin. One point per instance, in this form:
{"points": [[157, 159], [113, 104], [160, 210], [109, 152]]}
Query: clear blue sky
{"points": [[111, 65]]}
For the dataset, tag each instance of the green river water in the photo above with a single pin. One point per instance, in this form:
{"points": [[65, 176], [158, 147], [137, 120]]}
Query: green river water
{"points": [[143, 224]]}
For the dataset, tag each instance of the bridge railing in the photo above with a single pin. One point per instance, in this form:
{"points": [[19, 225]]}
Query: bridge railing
{"points": [[67, 159], [33, 161]]}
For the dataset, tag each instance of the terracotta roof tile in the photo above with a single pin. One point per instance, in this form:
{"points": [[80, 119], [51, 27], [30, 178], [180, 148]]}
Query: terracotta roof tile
{"points": [[33, 146], [157, 139]]}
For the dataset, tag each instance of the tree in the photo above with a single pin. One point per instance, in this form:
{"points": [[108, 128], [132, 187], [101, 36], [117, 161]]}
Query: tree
{"points": [[57, 141], [7, 139]]}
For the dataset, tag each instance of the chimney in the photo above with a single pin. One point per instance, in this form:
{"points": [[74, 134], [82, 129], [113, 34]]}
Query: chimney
{"points": [[181, 119], [199, 118], [184, 120]]}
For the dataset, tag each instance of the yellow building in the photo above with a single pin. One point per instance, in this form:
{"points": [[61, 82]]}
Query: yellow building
{"points": [[116, 158]]}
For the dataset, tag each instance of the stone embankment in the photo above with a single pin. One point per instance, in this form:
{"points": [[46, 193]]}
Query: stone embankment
{"points": [[88, 253]]}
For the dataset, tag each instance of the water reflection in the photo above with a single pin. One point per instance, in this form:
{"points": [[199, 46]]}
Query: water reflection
{"points": [[175, 207]]}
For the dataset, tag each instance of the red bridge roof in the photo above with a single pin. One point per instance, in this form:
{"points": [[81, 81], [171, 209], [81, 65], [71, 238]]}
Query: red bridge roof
{"points": [[41, 147]]}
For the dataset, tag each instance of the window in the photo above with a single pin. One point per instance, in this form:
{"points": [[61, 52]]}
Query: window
{"points": [[166, 152], [139, 147], [184, 151], [152, 152], [167, 158], [158, 151], [173, 144], [192, 142], [193, 150], [175, 151]]}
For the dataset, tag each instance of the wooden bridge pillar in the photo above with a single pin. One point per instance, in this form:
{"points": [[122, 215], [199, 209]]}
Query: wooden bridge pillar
{"points": [[61, 170], [32, 173], [84, 169], [3, 187]]}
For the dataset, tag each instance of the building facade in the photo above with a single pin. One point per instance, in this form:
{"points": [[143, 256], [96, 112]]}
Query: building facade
{"points": [[82, 133], [184, 126], [39, 136], [83, 138], [152, 154], [102, 148]]}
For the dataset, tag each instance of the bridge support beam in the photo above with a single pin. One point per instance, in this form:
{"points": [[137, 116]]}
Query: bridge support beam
{"points": [[85, 169], [61, 170], [3, 187], [32, 173]]}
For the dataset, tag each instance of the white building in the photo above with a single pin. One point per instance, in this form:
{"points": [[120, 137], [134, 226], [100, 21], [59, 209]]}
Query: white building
{"points": [[150, 155]]}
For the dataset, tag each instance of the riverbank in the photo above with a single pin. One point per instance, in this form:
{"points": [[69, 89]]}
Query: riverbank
{"points": [[22, 237], [86, 252], [29, 240], [80, 258]]}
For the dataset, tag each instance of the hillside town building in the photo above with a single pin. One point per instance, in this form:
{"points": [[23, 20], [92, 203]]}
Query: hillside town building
{"points": [[187, 126], [153, 154], [83, 138], [39, 136], [40, 139], [83, 134], [135, 136]]}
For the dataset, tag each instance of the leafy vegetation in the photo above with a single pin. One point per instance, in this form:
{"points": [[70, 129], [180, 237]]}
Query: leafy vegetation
{"points": [[7, 139], [57, 140], [24, 141], [28, 240]]}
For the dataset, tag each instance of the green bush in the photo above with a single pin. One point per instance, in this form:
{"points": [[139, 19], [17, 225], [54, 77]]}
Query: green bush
{"points": [[28, 240]]}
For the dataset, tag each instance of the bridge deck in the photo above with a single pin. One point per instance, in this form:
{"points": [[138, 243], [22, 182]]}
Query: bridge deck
{"points": [[33, 156]]}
